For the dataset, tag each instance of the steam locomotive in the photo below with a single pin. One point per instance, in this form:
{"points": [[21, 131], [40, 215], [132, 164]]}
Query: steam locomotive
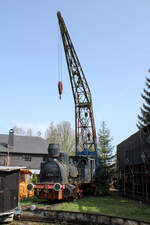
{"points": [[63, 176]]}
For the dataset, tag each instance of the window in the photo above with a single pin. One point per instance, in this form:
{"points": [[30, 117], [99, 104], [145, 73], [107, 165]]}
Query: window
{"points": [[26, 157]]}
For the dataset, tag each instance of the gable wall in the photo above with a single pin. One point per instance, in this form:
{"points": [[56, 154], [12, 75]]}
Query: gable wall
{"points": [[19, 160]]}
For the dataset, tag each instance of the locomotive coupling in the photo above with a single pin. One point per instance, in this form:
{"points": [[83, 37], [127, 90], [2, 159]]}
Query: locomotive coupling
{"points": [[57, 186]]}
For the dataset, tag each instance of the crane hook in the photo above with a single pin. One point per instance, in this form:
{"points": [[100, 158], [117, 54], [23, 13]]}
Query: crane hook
{"points": [[60, 88]]}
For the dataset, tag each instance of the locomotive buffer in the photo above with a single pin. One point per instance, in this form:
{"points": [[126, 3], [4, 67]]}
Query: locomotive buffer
{"points": [[85, 132]]}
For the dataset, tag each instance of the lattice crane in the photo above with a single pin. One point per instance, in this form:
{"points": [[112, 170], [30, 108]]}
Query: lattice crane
{"points": [[85, 132]]}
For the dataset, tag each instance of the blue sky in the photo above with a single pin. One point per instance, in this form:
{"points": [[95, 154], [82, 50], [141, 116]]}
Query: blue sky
{"points": [[111, 38]]}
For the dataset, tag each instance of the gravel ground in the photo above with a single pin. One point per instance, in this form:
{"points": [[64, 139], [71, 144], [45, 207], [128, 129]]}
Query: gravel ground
{"points": [[31, 223]]}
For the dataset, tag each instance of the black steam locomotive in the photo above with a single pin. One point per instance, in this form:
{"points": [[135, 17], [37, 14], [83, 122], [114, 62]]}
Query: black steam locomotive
{"points": [[64, 177], [133, 159]]}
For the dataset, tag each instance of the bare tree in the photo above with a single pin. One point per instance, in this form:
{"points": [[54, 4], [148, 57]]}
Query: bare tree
{"points": [[19, 130], [22, 131], [51, 134], [29, 132], [66, 136], [63, 135]]}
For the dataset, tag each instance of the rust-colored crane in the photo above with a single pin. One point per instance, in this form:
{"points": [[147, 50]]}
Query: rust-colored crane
{"points": [[85, 132]]}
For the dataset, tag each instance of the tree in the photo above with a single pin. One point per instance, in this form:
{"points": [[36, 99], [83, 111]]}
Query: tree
{"points": [[61, 134], [144, 118], [106, 158], [22, 131], [105, 145], [19, 130], [39, 133], [51, 134], [66, 137], [29, 132]]}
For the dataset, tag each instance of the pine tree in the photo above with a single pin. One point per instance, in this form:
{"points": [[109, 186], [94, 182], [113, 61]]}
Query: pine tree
{"points": [[106, 159], [105, 145], [144, 118]]}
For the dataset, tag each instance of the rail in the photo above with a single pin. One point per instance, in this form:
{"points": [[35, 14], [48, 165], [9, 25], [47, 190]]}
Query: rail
{"points": [[66, 217]]}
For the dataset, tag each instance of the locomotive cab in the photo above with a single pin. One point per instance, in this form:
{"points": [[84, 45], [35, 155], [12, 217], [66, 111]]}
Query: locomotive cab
{"points": [[85, 167]]}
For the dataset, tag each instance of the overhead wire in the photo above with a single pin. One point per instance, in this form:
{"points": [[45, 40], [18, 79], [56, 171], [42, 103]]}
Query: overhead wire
{"points": [[60, 85], [59, 57]]}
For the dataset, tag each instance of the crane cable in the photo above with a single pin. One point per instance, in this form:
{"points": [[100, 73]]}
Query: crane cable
{"points": [[60, 86]]}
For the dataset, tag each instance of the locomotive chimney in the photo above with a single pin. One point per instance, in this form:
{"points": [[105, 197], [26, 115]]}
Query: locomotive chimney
{"points": [[53, 150], [11, 138]]}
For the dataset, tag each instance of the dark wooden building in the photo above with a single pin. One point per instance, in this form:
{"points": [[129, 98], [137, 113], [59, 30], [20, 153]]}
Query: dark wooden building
{"points": [[133, 161], [9, 192], [27, 151]]}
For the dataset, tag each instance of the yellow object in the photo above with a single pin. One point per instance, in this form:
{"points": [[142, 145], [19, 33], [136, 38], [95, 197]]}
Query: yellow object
{"points": [[24, 180]]}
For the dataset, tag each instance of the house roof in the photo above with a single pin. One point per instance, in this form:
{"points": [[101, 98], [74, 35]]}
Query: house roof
{"points": [[10, 168], [24, 144]]}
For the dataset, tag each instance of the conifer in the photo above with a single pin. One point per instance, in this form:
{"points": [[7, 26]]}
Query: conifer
{"points": [[106, 159], [144, 118]]}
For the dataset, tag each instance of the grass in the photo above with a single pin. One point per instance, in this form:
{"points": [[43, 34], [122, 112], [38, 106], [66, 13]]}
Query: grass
{"points": [[113, 205], [110, 205], [34, 200]]}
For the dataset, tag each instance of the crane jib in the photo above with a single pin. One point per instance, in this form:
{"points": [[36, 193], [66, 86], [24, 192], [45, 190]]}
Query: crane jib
{"points": [[85, 131]]}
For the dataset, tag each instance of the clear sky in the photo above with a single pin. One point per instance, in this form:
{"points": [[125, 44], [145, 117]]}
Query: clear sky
{"points": [[112, 41]]}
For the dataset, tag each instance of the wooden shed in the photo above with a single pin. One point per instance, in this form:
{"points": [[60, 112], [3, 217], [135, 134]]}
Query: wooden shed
{"points": [[9, 191]]}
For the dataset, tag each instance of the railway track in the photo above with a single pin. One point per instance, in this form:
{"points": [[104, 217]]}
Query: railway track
{"points": [[56, 217], [41, 220], [47, 205]]}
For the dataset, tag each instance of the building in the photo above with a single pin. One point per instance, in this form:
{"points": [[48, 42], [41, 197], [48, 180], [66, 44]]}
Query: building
{"points": [[26, 151], [133, 162], [9, 190]]}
